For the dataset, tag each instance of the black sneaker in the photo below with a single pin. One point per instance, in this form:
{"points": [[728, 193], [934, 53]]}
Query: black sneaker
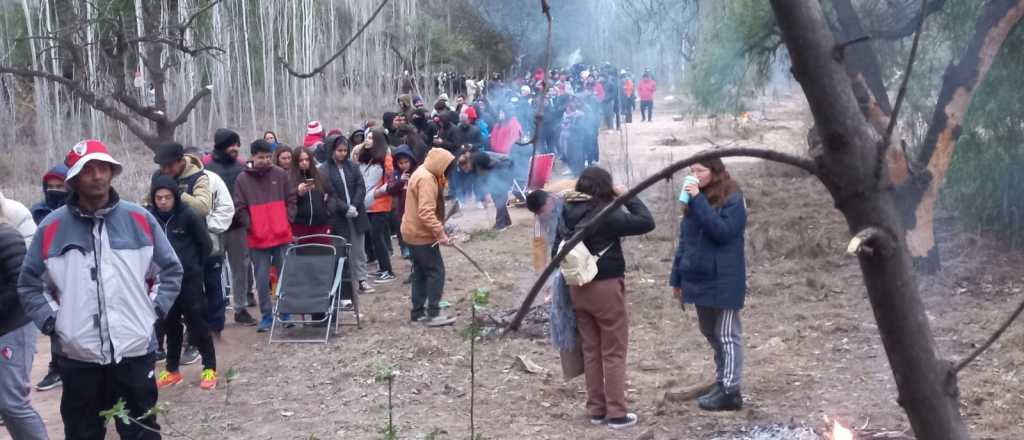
{"points": [[598, 420], [50, 381], [244, 318], [713, 394], [722, 402], [190, 356], [385, 277], [623, 422]]}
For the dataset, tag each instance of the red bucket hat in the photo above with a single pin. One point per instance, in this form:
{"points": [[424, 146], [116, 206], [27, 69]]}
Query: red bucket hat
{"points": [[86, 151]]}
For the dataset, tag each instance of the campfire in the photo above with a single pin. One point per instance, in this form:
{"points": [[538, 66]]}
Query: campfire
{"points": [[840, 432], [832, 430]]}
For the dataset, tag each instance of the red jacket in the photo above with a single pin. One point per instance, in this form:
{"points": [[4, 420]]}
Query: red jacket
{"points": [[646, 89], [265, 204]]}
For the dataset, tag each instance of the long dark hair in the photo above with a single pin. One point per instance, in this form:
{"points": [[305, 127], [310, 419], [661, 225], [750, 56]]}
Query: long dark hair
{"points": [[597, 183], [376, 152], [721, 186], [298, 175]]}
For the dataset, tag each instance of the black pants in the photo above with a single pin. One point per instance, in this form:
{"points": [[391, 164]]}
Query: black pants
{"points": [[91, 388], [627, 109], [380, 235], [427, 280], [190, 306], [216, 302], [501, 216], [646, 110]]}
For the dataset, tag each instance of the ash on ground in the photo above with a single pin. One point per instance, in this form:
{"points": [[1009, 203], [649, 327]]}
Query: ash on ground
{"points": [[770, 432]]}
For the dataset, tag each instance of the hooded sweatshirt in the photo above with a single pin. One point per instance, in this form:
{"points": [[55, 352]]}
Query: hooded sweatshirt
{"points": [[397, 186], [194, 186], [424, 199], [265, 202], [52, 199], [184, 229], [12, 253]]}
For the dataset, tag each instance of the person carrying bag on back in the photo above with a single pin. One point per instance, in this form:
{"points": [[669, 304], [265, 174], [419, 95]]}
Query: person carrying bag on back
{"points": [[599, 296]]}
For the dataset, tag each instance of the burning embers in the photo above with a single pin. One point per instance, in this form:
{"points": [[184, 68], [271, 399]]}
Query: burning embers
{"points": [[831, 430], [840, 432]]}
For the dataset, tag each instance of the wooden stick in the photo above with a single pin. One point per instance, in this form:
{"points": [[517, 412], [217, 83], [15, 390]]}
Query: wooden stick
{"points": [[471, 260]]}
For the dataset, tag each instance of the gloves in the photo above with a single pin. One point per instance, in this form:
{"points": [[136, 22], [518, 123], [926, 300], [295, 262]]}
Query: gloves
{"points": [[352, 212], [48, 327]]}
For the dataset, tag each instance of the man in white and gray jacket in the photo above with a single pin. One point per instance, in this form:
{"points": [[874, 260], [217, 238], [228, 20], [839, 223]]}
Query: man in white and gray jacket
{"points": [[84, 280]]}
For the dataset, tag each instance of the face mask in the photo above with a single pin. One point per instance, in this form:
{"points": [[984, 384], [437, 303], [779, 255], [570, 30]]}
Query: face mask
{"points": [[55, 198]]}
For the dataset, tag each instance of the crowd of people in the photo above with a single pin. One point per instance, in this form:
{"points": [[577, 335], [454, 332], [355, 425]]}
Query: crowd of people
{"points": [[119, 286]]}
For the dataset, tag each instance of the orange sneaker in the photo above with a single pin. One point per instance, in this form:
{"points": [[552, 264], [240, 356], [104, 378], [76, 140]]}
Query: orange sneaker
{"points": [[168, 378], [208, 379]]}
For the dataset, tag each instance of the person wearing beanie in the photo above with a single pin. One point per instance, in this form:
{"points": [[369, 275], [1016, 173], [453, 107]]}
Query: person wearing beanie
{"points": [[54, 196], [112, 320], [187, 234], [417, 101], [265, 203], [217, 222], [314, 134], [227, 165]]}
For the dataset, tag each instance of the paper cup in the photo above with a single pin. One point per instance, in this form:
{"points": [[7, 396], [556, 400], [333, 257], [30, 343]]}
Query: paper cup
{"points": [[684, 197]]}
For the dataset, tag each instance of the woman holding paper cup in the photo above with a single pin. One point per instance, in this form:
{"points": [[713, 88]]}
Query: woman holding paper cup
{"points": [[709, 271]]}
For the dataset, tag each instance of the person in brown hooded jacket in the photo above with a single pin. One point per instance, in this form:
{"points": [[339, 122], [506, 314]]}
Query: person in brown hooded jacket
{"points": [[422, 231]]}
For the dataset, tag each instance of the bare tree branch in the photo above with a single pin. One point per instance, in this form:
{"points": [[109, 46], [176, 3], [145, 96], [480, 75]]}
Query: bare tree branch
{"points": [[538, 118], [320, 69], [894, 117], [991, 340], [911, 25], [666, 173], [185, 111]]}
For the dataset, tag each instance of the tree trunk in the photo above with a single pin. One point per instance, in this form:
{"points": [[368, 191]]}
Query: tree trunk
{"points": [[854, 174], [921, 181]]}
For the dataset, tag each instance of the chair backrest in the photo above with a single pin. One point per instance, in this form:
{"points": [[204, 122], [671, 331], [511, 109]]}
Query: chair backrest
{"points": [[307, 279], [542, 166]]}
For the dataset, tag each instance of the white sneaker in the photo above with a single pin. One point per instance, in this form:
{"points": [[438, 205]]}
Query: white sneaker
{"points": [[630, 420]]}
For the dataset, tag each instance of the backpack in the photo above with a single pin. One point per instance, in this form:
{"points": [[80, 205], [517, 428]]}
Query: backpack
{"points": [[580, 266]]}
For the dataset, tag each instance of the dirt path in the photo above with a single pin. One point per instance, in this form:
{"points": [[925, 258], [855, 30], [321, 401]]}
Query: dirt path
{"points": [[812, 348]]}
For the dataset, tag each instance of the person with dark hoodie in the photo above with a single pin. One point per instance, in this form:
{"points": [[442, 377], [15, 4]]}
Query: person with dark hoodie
{"points": [[493, 174], [346, 192], [311, 217], [600, 304], [187, 234], [376, 165], [226, 164], [17, 342], [265, 204], [405, 164], [54, 196]]}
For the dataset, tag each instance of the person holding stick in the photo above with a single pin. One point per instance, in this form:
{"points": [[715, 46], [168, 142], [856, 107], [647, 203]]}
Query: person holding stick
{"points": [[422, 230]]}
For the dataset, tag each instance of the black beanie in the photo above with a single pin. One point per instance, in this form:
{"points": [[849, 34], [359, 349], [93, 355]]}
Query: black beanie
{"points": [[224, 138], [168, 152]]}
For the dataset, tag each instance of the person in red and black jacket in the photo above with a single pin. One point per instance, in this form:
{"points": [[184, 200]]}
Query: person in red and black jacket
{"points": [[265, 204]]}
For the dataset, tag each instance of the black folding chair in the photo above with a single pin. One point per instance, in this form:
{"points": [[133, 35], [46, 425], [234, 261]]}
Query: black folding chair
{"points": [[308, 285]]}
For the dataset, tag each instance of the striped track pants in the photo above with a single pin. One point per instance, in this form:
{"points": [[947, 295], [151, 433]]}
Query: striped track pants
{"points": [[724, 332]]}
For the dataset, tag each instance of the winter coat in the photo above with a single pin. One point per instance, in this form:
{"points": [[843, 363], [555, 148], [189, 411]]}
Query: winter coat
{"points": [[312, 207], [223, 211], [505, 134], [709, 264], [194, 186], [105, 313], [184, 229], [228, 168], [345, 187], [397, 186], [51, 199], [18, 216], [645, 90], [636, 219], [424, 200], [494, 172], [12, 253], [464, 134], [265, 204], [376, 176]]}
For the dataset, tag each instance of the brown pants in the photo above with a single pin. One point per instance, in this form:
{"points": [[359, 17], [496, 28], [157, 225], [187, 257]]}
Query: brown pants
{"points": [[602, 322]]}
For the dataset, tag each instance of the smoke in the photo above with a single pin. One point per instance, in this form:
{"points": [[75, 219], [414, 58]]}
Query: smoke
{"points": [[575, 57]]}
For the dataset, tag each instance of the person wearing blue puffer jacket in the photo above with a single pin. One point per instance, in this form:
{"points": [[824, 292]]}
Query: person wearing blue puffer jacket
{"points": [[709, 271]]}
